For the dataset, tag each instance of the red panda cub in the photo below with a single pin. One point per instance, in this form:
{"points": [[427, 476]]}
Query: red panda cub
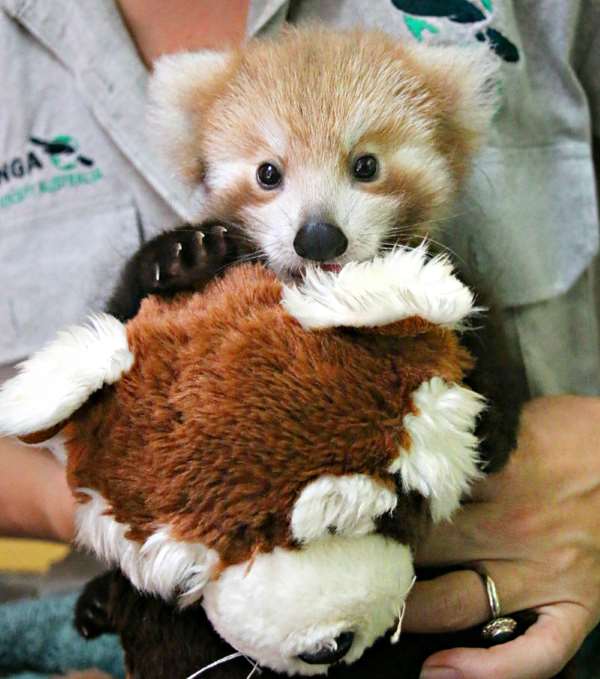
{"points": [[323, 147], [315, 149]]}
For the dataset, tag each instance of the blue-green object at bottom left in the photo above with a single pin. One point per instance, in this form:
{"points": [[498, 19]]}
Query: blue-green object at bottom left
{"points": [[38, 640]]}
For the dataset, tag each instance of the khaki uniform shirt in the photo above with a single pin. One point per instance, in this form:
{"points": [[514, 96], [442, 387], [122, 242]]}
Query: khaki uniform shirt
{"points": [[528, 220]]}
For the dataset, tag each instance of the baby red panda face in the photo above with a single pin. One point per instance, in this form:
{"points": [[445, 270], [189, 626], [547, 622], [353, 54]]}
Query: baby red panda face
{"points": [[324, 147]]}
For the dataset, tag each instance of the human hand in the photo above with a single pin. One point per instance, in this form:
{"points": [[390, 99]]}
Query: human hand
{"points": [[535, 528], [35, 500]]}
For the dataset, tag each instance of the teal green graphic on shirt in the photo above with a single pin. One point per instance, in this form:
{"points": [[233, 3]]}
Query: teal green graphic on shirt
{"points": [[57, 159], [73, 170], [65, 180], [417, 26], [417, 14], [63, 152]]}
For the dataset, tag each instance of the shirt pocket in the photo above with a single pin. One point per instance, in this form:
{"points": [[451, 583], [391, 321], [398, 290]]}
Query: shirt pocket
{"points": [[57, 268]]}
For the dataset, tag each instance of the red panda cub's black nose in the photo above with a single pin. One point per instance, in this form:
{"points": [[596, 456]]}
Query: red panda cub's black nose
{"points": [[320, 241]]}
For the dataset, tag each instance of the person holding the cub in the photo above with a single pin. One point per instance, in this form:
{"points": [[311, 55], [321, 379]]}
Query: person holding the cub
{"points": [[530, 527]]}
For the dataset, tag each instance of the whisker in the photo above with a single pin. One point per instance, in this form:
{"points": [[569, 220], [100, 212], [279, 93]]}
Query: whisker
{"points": [[244, 238], [402, 228], [447, 248], [478, 168], [252, 257], [285, 214], [350, 209]]}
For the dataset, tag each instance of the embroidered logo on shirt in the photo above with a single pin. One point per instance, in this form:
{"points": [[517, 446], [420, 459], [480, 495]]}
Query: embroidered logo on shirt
{"points": [[420, 16], [61, 154], [61, 149]]}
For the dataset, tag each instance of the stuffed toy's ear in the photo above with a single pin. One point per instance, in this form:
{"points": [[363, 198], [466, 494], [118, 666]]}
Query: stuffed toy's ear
{"points": [[58, 379], [182, 88], [402, 284]]}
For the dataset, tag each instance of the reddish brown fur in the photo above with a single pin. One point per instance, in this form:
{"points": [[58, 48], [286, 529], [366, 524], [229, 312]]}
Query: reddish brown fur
{"points": [[230, 206], [41, 436], [319, 88], [455, 140], [231, 408]]}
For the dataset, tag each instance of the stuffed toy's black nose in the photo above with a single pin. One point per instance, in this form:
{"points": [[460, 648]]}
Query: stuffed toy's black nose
{"points": [[330, 655], [320, 241]]}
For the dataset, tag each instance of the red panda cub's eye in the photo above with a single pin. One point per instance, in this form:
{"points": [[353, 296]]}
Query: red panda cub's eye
{"points": [[268, 176], [366, 168]]}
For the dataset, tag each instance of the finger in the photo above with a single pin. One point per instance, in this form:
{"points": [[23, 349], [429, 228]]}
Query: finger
{"points": [[540, 653], [458, 600], [478, 531], [451, 602], [452, 542]]}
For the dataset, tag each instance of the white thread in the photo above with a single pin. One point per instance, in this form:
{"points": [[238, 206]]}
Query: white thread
{"points": [[227, 658], [401, 611], [255, 669]]}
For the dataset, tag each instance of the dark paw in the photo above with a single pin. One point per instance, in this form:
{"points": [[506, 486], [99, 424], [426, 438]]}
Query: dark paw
{"points": [[185, 259], [92, 617]]}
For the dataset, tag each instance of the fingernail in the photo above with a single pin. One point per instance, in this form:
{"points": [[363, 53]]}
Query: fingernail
{"points": [[439, 673]]}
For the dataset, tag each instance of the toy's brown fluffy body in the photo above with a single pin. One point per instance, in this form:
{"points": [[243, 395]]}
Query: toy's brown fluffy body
{"points": [[203, 467]]}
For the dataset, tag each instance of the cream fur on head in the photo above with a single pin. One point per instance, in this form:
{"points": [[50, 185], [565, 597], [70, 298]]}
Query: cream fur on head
{"points": [[312, 102]]}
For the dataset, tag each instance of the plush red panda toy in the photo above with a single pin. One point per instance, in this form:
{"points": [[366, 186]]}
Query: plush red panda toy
{"points": [[273, 451]]}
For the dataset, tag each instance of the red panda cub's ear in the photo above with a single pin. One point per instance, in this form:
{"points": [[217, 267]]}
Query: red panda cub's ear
{"points": [[182, 89], [463, 82], [58, 379]]}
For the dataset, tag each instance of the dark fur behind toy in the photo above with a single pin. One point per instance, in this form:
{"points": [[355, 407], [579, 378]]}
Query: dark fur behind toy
{"points": [[163, 642]]}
